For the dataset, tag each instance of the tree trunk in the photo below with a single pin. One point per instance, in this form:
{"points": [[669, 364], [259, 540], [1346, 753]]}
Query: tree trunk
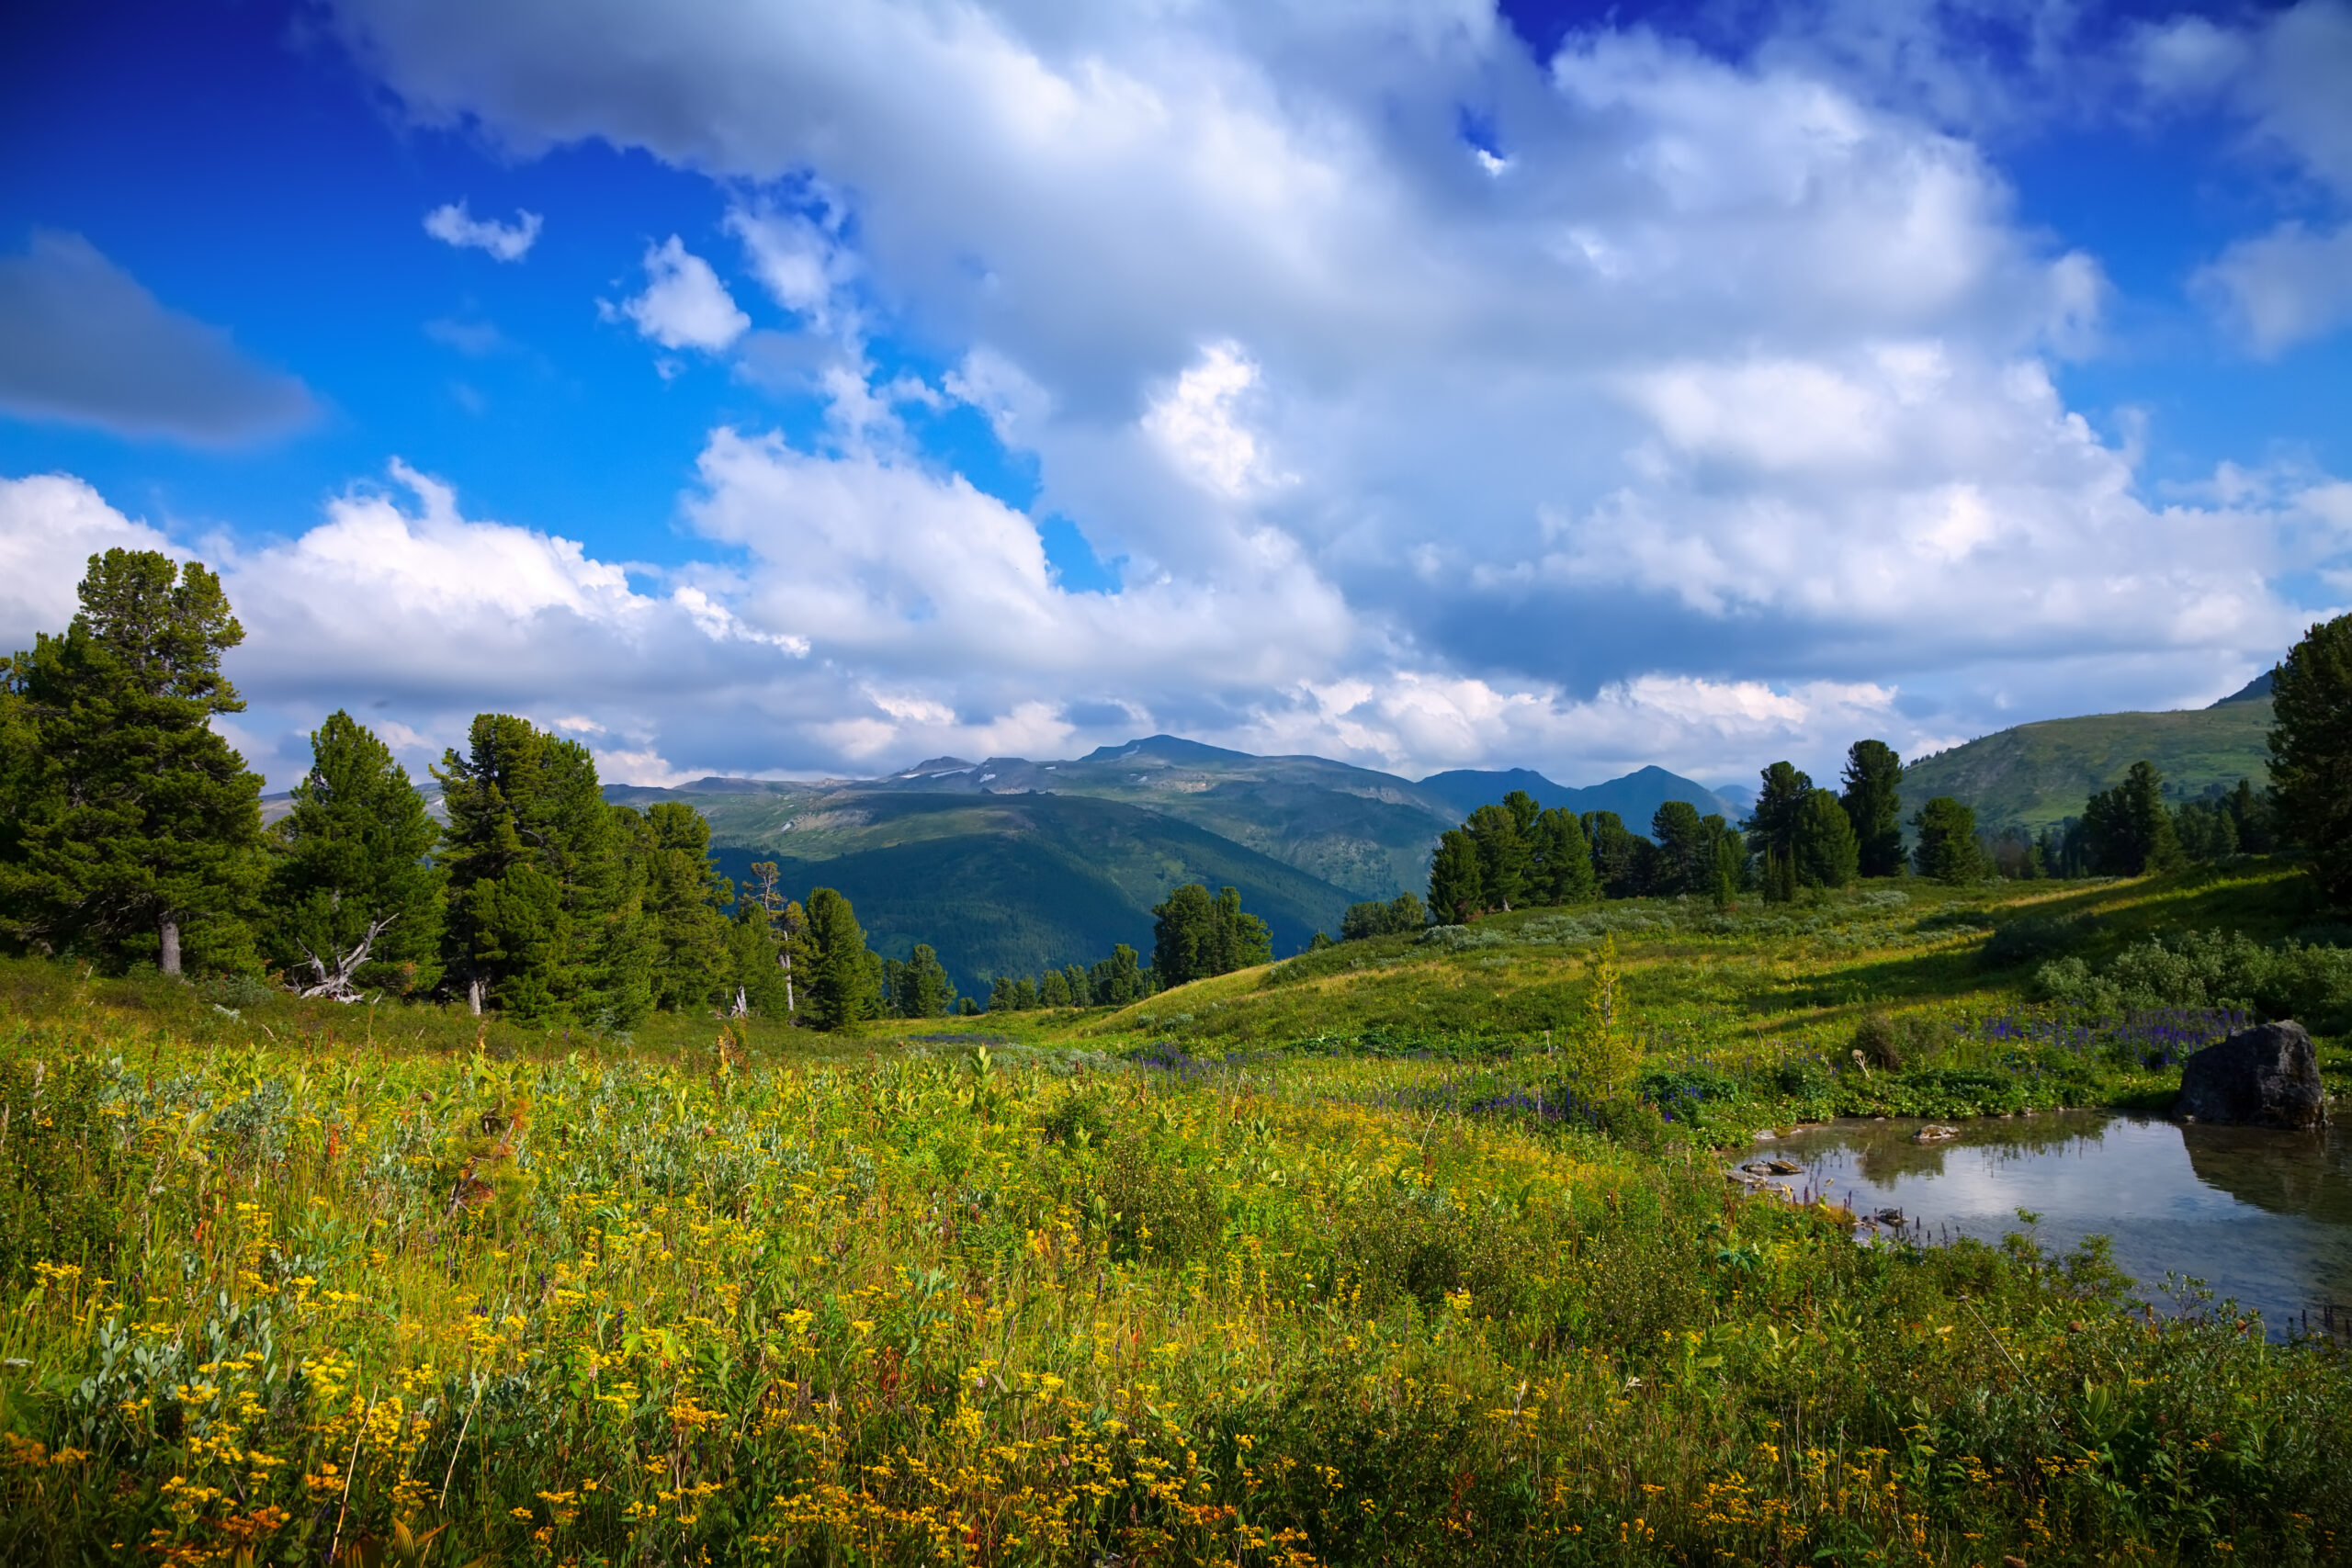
{"points": [[168, 928], [473, 995]]}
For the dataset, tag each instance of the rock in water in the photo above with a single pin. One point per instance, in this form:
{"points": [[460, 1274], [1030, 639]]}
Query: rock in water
{"points": [[2266, 1076]]}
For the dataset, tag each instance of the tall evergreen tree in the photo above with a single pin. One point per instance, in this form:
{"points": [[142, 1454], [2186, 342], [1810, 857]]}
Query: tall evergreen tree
{"points": [[354, 901], [2310, 753], [1117, 980], [844, 977], [1524, 810], [136, 830], [1827, 853], [1873, 803], [1195, 935], [1456, 893], [1686, 857], [1947, 850], [1729, 859], [1053, 989], [1772, 826], [544, 919], [1495, 832], [1560, 859], [920, 987], [1081, 990], [684, 897], [2128, 827], [1616, 854]]}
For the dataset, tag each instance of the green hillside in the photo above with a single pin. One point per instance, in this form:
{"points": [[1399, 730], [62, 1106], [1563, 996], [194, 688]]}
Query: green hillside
{"points": [[1001, 884], [1354, 827], [2038, 774]]}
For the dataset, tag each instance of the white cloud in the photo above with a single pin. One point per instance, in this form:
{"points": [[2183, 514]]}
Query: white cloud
{"points": [[799, 259], [2285, 287], [50, 526], [1740, 376], [1197, 424], [452, 225], [82, 342], [685, 305]]}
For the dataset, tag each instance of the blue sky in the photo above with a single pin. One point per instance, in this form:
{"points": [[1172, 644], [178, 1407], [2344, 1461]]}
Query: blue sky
{"points": [[808, 391]]}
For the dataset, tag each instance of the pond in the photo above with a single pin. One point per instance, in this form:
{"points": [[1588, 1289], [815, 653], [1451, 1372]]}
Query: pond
{"points": [[2262, 1217]]}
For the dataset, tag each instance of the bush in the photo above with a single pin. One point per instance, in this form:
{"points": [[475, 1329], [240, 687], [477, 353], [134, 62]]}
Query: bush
{"points": [[1879, 1043], [2211, 969]]}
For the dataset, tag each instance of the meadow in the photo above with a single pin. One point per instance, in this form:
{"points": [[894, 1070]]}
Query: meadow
{"points": [[1346, 1261]]}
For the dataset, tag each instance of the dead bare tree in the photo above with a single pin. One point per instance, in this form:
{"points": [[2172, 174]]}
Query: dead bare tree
{"points": [[334, 978]]}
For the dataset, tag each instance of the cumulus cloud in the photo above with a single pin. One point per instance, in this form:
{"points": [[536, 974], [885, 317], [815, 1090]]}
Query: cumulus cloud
{"points": [[1738, 380], [50, 526], [82, 342], [452, 225], [685, 305]]}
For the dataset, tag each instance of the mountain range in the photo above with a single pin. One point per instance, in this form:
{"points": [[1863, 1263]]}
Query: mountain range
{"points": [[1007, 866]]}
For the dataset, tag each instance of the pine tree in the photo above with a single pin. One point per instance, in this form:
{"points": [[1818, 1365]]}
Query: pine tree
{"points": [[354, 901], [136, 830], [1617, 866], [1524, 810], [544, 918], [1117, 980], [1195, 936], [1456, 893], [1560, 861], [1081, 993], [2129, 828], [1501, 844], [1873, 803], [844, 977], [1053, 989], [2310, 754], [1826, 854], [1771, 826], [683, 900], [1685, 854], [1948, 851], [925, 989], [1730, 864]]}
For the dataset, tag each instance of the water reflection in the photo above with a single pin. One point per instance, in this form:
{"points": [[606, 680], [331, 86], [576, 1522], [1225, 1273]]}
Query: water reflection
{"points": [[2262, 1216]]}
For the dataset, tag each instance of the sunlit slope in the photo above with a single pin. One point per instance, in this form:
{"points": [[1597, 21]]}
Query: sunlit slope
{"points": [[2038, 774], [1696, 981]]}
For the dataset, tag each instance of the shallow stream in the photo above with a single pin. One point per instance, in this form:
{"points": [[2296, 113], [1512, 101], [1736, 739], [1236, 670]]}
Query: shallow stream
{"points": [[2262, 1217]]}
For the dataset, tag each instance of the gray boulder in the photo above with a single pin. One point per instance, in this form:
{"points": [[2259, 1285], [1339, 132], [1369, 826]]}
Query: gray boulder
{"points": [[2266, 1076]]}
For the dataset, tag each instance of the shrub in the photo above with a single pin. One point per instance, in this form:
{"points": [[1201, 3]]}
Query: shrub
{"points": [[2210, 969], [1879, 1043]]}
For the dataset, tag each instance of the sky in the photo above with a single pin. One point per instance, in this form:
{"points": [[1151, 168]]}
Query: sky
{"points": [[796, 390]]}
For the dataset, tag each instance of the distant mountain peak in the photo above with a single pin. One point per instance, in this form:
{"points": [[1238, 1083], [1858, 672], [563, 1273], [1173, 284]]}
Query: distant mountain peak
{"points": [[1167, 748], [936, 765], [2254, 691]]}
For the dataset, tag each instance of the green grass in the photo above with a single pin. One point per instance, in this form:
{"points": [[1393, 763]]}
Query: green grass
{"points": [[1285, 1266]]}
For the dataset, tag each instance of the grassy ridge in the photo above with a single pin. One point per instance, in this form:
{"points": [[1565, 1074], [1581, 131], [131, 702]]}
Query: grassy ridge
{"points": [[2037, 775]]}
